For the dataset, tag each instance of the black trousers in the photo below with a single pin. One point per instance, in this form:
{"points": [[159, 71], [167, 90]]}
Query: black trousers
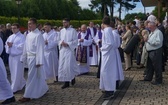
{"points": [[99, 67], [154, 64]]}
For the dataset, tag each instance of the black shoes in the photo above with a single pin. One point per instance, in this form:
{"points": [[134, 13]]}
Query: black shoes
{"points": [[108, 95], [9, 100], [126, 69], [144, 80], [24, 99], [66, 85], [73, 82], [156, 83]]}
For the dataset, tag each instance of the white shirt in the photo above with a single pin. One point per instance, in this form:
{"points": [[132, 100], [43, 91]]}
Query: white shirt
{"points": [[155, 40]]}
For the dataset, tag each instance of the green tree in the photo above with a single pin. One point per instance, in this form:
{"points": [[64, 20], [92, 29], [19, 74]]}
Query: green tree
{"points": [[8, 8], [102, 5], [131, 17], [46, 9], [162, 13], [126, 5]]}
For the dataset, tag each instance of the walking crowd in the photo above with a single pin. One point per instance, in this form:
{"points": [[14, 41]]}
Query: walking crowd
{"points": [[61, 54]]}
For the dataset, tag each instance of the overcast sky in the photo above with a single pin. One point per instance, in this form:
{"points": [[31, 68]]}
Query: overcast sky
{"points": [[139, 8]]}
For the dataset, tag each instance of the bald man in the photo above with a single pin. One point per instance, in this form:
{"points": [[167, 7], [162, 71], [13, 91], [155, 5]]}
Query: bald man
{"points": [[84, 41]]}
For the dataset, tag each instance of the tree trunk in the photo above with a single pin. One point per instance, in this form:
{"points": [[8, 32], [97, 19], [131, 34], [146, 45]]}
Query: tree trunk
{"points": [[105, 6], [120, 10], [112, 10]]}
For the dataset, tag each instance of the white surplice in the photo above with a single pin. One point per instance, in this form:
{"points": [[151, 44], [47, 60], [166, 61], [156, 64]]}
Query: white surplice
{"points": [[33, 52], [120, 74], [108, 71], [97, 39], [68, 68], [94, 58], [5, 88], [15, 66], [85, 68], [51, 55]]}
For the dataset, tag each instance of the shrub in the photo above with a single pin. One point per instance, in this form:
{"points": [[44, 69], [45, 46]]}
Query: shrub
{"points": [[23, 21]]}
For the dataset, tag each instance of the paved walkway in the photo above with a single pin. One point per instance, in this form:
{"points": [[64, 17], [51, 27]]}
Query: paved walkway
{"points": [[86, 92]]}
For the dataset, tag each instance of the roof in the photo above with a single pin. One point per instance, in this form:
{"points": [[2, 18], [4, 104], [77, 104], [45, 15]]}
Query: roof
{"points": [[149, 3]]}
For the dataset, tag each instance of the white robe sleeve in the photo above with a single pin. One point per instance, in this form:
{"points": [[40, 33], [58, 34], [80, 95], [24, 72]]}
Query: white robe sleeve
{"points": [[1, 46], [59, 40], [39, 50], [52, 43], [108, 41], [18, 47], [116, 39], [23, 57], [74, 42], [87, 42], [7, 49], [96, 39]]}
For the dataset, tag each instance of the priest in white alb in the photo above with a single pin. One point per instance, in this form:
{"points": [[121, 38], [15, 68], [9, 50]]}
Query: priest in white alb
{"points": [[6, 92], [14, 47], [68, 41], [109, 61], [50, 53], [33, 53], [82, 52], [92, 49], [98, 40], [119, 74]]}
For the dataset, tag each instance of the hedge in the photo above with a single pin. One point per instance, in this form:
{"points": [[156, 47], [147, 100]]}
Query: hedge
{"points": [[23, 21]]}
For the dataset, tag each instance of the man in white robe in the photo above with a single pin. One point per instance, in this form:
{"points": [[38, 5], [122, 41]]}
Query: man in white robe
{"points": [[109, 61], [119, 74], [33, 53], [68, 41], [92, 50], [98, 40], [84, 41], [5, 88], [14, 47], [50, 53]]}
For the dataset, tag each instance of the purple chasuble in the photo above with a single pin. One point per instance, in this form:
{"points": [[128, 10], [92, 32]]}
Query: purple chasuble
{"points": [[90, 47], [100, 37], [82, 50]]}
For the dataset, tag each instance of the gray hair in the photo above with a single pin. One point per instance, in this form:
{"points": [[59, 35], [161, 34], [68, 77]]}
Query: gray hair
{"points": [[8, 24], [152, 23]]}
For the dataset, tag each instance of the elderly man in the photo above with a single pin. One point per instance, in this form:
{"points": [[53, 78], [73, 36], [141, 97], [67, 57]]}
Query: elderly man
{"points": [[154, 47], [151, 18], [92, 49], [8, 29], [84, 41]]}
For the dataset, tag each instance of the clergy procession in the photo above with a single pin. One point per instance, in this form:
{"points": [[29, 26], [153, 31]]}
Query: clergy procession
{"points": [[63, 54], [59, 56]]}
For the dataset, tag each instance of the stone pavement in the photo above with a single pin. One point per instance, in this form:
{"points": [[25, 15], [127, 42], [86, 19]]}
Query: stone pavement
{"points": [[86, 92]]}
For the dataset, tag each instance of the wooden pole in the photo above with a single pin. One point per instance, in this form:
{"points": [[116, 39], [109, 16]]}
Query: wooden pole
{"points": [[159, 7]]}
